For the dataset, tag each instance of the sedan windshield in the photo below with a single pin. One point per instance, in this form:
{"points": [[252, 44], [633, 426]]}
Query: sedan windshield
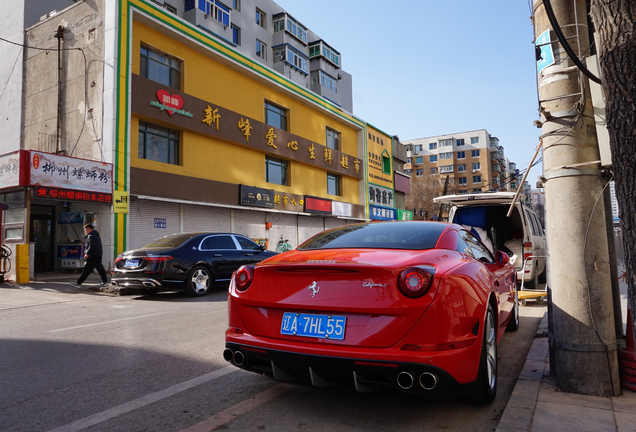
{"points": [[171, 241], [378, 235]]}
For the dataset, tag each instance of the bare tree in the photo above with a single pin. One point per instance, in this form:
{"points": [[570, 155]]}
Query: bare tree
{"points": [[423, 189], [615, 22]]}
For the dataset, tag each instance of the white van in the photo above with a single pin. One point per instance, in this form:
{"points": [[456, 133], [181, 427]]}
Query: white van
{"points": [[521, 235]]}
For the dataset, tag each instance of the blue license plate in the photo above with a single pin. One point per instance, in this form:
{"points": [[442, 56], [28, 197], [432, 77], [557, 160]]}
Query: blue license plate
{"points": [[318, 326], [131, 263]]}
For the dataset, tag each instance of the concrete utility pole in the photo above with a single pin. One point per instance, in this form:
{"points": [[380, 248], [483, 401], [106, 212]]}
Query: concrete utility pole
{"points": [[584, 337]]}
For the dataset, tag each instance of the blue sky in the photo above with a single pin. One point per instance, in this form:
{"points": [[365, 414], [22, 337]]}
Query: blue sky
{"points": [[423, 68]]}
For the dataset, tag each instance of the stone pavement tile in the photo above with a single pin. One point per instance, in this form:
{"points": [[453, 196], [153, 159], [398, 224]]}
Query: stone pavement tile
{"points": [[550, 416], [532, 370], [625, 422], [524, 394], [515, 419], [551, 395], [625, 403], [539, 349]]}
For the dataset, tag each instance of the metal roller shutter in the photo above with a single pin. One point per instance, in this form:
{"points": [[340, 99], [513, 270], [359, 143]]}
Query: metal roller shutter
{"points": [[250, 223], [334, 223], [309, 226], [150, 220], [199, 218], [285, 225]]}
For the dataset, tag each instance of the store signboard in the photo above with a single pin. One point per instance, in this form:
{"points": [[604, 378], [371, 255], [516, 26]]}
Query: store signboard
{"points": [[67, 173], [404, 215], [256, 197], [382, 213], [12, 165], [55, 193], [317, 205], [382, 196], [342, 209]]}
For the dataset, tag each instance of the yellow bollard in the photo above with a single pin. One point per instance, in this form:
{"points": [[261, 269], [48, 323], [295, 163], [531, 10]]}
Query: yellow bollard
{"points": [[22, 263]]}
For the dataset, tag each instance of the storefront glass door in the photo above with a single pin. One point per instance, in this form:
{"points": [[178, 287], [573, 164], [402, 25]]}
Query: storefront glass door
{"points": [[42, 234]]}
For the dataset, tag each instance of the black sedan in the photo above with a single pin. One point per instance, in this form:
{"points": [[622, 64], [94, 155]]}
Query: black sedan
{"points": [[192, 262]]}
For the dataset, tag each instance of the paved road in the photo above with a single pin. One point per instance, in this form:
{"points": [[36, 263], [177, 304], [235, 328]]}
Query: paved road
{"points": [[73, 360]]}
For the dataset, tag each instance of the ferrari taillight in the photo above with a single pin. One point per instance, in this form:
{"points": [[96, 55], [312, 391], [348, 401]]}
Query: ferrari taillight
{"points": [[243, 277], [414, 281]]}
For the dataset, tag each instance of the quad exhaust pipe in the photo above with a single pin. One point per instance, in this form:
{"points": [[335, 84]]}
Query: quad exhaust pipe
{"points": [[236, 357]]}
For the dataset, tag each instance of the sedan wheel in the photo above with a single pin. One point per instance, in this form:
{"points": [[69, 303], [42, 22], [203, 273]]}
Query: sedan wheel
{"points": [[199, 282], [486, 384]]}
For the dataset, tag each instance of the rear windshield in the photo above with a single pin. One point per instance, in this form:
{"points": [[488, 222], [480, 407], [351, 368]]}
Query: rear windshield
{"points": [[378, 235], [171, 241]]}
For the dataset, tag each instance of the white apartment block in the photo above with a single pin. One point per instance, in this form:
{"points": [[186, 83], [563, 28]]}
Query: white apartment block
{"points": [[473, 161]]}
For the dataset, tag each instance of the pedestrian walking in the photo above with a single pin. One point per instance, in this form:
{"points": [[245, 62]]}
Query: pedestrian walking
{"points": [[93, 255]]}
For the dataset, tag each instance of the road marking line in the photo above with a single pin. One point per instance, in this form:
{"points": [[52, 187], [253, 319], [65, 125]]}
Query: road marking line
{"points": [[142, 401], [106, 322], [239, 409]]}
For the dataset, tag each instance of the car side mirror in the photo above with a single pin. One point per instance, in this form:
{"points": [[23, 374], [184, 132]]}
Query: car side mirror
{"points": [[262, 248], [501, 258]]}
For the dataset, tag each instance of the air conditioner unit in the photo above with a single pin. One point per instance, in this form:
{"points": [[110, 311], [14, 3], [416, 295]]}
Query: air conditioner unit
{"points": [[473, 171], [417, 165], [206, 16]]}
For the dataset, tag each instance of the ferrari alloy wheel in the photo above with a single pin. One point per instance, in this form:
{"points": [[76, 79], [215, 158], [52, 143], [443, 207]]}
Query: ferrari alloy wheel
{"points": [[486, 384], [513, 324], [198, 282]]}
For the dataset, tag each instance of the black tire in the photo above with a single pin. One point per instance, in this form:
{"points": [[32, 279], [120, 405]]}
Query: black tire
{"points": [[198, 282], [485, 388], [513, 324]]}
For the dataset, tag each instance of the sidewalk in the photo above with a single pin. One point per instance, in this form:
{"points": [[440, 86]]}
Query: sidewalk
{"points": [[63, 280], [537, 405]]}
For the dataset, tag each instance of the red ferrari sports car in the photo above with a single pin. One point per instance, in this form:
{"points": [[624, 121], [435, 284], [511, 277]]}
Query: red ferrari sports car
{"points": [[417, 306]]}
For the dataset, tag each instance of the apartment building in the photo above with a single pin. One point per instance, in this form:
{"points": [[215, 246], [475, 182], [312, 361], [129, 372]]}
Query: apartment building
{"points": [[471, 161], [195, 115]]}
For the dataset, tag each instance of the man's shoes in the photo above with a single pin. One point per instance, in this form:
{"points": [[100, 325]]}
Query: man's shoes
{"points": [[75, 285], [104, 284]]}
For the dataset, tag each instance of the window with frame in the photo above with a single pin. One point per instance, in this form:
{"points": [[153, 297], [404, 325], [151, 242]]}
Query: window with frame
{"points": [[285, 22], [446, 168], [432, 158], [261, 50], [474, 153], [333, 139], [214, 8], [275, 116], [386, 165], [433, 170], [408, 171], [418, 148], [157, 143], [261, 18], [319, 48], [276, 171], [448, 155], [236, 5], [290, 56], [459, 142], [446, 142], [321, 78], [432, 146], [333, 184], [419, 172], [461, 155], [477, 179], [236, 34], [461, 168], [159, 67], [474, 140], [462, 181], [419, 159], [476, 166], [408, 160]]}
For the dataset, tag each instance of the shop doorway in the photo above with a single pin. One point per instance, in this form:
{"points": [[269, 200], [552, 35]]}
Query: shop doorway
{"points": [[42, 234]]}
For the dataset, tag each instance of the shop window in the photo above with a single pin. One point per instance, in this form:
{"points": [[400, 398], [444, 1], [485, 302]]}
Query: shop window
{"points": [[158, 143], [333, 184], [276, 171], [160, 67]]}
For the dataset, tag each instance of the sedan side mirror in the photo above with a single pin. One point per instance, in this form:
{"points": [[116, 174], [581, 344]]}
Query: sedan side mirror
{"points": [[501, 258]]}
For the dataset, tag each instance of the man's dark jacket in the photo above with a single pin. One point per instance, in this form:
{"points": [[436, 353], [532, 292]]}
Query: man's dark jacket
{"points": [[93, 245]]}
